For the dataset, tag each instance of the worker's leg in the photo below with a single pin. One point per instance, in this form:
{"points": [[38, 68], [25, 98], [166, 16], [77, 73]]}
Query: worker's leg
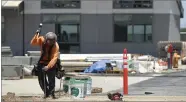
{"points": [[43, 82], [51, 79]]}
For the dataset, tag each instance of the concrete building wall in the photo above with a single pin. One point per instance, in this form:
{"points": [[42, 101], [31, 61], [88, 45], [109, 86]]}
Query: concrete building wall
{"points": [[31, 25], [13, 31], [104, 7], [174, 30], [97, 33], [96, 26], [32, 22]]}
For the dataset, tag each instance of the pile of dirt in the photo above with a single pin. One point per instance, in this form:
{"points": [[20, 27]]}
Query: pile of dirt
{"points": [[11, 97]]}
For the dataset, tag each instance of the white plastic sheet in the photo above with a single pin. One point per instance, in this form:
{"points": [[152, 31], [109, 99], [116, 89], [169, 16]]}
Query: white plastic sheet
{"points": [[27, 70], [147, 66]]}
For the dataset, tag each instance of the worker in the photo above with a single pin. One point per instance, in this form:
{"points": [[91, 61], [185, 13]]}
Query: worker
{"points": [[175, 59], [46, 65]]}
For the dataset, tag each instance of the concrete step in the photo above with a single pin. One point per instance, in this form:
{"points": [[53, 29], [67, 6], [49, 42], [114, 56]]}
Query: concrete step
{"points": [[6, 54], [16, 60], [12, 72], [34, 53], [34, 60], [6, 51]]}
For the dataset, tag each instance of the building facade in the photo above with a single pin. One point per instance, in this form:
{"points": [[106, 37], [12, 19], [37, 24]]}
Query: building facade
{"points": [[93, 26]]}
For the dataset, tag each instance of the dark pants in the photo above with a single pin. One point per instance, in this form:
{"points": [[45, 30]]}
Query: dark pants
{"points": [[47, 85]]}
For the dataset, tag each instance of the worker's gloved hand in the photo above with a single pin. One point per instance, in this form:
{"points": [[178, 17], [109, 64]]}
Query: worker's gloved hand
{"points": [[45, 68]]}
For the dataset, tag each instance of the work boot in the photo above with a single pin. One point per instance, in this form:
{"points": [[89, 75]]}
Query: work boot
{"points": [[53, 95], [46, 96]]}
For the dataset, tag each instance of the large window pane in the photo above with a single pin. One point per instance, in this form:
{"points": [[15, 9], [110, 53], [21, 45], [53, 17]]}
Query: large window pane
{"points": [[55, 18], [120, 32], [68, 38], [148, 32], [132, 3], [122, 3], [2, 30], [2, 33], [129, 33], [47, 4], [69, 33], [139, 32]]}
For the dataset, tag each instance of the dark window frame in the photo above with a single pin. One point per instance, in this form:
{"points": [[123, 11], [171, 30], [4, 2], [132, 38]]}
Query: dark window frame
{"points": [[3, 29], [52, 4], [131, 4], [132, 24]]}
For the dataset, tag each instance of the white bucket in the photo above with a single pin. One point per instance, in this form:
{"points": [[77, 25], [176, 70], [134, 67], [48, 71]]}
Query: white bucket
{"points": [[89, 86]]}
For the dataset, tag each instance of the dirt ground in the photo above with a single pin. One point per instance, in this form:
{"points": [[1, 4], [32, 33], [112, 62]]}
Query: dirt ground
{"points": [[11, 97]]}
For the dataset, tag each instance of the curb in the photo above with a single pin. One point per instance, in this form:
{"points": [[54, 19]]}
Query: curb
{"points": [[154, 98], [136, 75]]}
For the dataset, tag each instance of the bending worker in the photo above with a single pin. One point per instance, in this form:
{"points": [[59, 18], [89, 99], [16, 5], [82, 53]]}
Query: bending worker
{"points": [[46, 65]]}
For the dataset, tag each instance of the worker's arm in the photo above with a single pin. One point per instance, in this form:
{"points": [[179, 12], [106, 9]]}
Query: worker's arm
{"points": [[54, 57], [37, 40]]}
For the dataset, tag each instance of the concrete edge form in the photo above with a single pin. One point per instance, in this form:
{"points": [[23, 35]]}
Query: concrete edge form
{"points": [[154, 98]]}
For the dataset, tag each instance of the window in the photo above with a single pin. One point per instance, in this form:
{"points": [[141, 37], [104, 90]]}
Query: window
{"points": [[2, 29], [132, 3], [139, 33], [69, 33], [48, 4], [68, 38], [148, 32], [129, 33], [133, 29], [121, 28]]}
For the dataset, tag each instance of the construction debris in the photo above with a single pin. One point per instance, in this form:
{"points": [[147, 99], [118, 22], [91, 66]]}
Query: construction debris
{"points": [[96, 90]]}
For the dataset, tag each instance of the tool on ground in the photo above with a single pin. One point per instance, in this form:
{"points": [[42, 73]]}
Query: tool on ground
{"points": [[115, 96], [147, 93]]}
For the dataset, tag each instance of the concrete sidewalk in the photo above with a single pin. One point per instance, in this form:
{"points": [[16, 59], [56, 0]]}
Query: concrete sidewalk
{"points": [[30, 87], [105, 99]]}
